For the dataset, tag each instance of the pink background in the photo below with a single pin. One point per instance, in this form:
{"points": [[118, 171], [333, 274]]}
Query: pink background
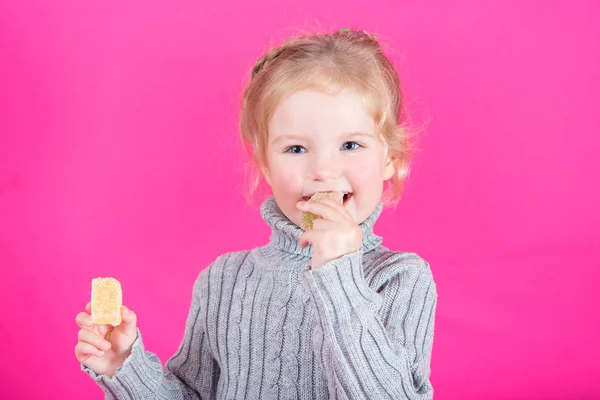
{"points": [[119, 156]]}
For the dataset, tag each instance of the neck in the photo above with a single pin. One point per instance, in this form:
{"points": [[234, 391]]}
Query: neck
{"points": [[285, 234]]}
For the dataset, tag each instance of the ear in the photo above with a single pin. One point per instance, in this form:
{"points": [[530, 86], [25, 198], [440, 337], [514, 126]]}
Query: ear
{"points": [[389, 169], [266, 173]]}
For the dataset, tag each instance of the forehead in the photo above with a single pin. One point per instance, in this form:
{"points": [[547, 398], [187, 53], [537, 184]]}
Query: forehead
{"points": [[311, 111]]}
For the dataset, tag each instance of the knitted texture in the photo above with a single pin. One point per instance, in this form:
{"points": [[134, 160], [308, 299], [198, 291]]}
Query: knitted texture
{"points": [[263, 325]]}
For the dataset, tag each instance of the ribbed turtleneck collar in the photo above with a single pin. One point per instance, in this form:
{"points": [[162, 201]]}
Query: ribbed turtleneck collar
{"points": [[285, 234]]}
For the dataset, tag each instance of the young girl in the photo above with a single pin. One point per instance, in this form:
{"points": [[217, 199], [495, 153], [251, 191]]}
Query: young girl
{"points": [[318, 314]]}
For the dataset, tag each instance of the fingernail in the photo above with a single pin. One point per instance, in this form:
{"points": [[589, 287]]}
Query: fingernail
{"points": [[106, 345], [100, 352], [125, 310]]}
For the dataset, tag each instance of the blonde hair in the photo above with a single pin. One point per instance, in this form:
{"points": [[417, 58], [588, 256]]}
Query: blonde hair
{"points": [[330, 63]]}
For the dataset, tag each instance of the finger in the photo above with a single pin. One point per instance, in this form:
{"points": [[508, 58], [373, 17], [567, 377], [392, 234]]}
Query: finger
{"points": [[94, 327], [321, 224], [340, 208], [322, 209], [87, 336], [129, 321], [103, 329], [84, 350], [84, 320], [307, 237]]}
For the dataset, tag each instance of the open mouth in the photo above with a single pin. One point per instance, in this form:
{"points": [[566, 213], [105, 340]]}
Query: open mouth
{"points": [[347, 197]]}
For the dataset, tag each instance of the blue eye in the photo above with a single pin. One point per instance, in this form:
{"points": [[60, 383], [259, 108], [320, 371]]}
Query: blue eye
{"points": [[295, 149], [351, 146]]}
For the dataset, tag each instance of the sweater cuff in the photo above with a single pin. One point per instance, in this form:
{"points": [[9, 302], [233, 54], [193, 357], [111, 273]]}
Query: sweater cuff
{"points": [[134, 368], [340, 284]]}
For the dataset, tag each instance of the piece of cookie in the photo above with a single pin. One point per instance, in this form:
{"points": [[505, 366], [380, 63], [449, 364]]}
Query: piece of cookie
{"points": [[107, 299], [308, 218]]}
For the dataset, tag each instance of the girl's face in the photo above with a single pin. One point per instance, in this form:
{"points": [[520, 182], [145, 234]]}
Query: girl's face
{"points": [[319, 142]]}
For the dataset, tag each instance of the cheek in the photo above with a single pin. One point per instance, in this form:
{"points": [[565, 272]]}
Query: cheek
{"points": [[285, 179], [284, 183], [367, 172]]}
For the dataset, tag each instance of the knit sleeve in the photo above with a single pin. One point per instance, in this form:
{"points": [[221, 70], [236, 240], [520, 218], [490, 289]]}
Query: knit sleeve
{"points": [[366, 354], [191, 373]]}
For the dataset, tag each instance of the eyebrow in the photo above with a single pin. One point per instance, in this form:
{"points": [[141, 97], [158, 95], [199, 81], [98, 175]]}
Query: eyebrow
{"points": [[354, 134], [283, 137], [344, 134]]}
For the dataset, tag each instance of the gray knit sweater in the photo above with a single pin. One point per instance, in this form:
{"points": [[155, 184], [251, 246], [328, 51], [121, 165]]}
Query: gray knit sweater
{"points": [[263, 325]]}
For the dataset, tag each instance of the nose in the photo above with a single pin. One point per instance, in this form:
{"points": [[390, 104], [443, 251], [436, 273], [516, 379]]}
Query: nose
{"points": [[324, 167]]}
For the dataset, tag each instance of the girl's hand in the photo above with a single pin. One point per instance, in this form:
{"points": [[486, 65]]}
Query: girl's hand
{"points": [[333, 235], [104, 348]]}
